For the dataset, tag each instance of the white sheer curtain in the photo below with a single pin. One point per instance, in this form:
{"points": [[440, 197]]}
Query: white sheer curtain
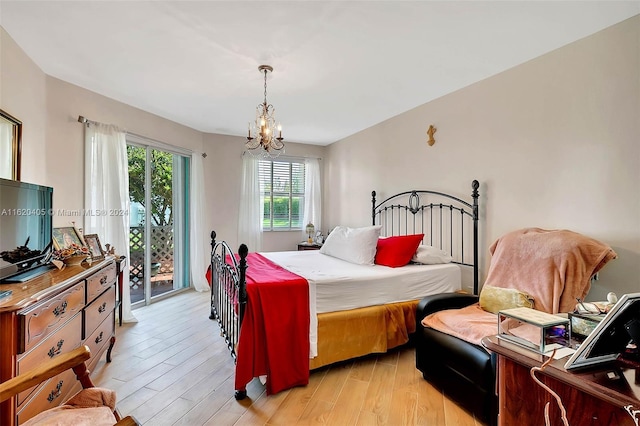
{"points": [[251, 205], [107, 189], [312, 196], [198, 253]]}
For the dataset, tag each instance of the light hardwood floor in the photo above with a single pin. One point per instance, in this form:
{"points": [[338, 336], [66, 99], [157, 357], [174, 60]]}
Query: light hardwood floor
{"points": [[173, 368]]}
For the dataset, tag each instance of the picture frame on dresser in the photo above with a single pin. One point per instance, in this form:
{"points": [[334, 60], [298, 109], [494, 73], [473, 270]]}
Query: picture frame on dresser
{"points": [[65, 236], [93, 242]]}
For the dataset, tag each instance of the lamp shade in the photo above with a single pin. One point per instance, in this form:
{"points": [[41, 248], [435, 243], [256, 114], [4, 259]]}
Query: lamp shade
{"points": [[310, 228]]}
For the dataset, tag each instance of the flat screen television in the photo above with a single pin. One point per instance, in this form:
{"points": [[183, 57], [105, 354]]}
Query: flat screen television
{"points": [[25, 229], [611, 336]]}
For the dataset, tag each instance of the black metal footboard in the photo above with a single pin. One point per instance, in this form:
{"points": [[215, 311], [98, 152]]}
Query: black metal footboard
{"points": [[228, 289]]}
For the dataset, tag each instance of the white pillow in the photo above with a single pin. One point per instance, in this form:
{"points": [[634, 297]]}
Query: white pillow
{"points": [[355, 245], [429, 255]]}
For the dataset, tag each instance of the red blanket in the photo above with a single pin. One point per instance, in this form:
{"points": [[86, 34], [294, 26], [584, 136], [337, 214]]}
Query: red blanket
{"points": [[274, 336]]}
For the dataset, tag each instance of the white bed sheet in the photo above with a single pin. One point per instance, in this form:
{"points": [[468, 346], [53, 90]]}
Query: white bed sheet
{"points": [[337, 285], [342, 285]]}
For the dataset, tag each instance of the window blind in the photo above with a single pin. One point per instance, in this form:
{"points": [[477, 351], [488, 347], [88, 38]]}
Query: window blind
{"points": [[282, 183]]}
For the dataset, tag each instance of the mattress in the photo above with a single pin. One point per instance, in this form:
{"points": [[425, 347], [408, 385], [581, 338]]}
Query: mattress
{"points": [[337, 285], [341, 285]]}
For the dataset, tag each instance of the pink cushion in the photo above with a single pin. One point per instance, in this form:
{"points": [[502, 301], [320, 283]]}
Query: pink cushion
{"points": [[397, 251], [91, 406], [93, 397], [66, 415]]}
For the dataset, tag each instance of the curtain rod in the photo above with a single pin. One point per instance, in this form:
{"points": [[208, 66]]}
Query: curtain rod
{"points": [[85, 121]]}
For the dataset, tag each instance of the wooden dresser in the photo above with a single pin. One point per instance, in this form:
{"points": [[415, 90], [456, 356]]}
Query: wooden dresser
{"points": [[51, 315]]}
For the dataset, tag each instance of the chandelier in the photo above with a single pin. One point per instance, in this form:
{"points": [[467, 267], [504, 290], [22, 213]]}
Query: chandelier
{"points": [[264, 143]]}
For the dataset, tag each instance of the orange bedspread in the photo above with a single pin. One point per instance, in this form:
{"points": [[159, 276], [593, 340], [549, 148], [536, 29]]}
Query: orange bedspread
{"points": [[375, 329]]}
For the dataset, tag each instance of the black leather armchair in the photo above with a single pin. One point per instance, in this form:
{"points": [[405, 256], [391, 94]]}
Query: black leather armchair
{"points": [[463, 371]]}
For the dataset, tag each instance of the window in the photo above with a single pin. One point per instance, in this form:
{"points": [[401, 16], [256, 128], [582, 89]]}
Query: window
{"points": [[282, 184]]}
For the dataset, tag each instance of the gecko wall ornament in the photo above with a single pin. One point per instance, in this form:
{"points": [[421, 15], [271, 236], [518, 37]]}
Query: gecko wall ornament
{"points": [[430, 132]]}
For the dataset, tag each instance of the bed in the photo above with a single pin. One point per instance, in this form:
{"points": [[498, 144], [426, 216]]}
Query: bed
{"points": [[327, 309]]}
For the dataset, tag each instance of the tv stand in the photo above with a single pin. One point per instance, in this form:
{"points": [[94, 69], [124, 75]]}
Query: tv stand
{"points": [[29, 274]]}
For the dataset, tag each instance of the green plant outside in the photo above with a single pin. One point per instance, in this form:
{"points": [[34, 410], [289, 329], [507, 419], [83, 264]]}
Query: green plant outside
{"points": [[161, 182], [281, 213]]}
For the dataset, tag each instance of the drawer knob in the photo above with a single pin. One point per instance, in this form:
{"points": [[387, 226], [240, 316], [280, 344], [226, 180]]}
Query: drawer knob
{"points": [[55, 350], [103, 280], [59, 310], [56, 392], [99, 338], [102, 308]]}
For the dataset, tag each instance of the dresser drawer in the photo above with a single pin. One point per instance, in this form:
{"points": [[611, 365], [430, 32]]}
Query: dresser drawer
{"points": [[100, 281], [53, 393], [63, 341], [41, 320], [99, 339], [98, 310]]}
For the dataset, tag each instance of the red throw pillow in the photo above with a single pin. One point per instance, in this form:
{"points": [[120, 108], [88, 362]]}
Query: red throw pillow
{"points": [[397, 251]]}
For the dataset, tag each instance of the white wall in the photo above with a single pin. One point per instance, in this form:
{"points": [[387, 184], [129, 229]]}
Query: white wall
{"points": [[553, 142], [65, 137], [53, 140], [23, 95], [223, 174], [53, 143]]}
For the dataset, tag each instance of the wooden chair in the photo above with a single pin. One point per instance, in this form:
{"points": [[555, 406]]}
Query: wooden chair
{"points": [[73, 360]]}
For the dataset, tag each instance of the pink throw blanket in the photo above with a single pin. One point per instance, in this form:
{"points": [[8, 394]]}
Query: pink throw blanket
{"points": [[471, 323], [553, 266]]}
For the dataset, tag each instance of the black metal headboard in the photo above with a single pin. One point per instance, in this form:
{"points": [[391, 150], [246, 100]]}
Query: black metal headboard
{"points": [[445, 221]]}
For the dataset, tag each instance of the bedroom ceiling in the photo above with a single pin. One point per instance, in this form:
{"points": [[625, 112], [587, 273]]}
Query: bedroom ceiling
{"points": [[339, 67]]}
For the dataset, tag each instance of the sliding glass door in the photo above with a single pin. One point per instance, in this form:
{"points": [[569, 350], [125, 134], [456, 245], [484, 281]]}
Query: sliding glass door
{"points": [[158, 192]]}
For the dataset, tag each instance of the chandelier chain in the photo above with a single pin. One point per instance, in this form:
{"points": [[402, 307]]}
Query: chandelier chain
{"points": [[265, 87]]}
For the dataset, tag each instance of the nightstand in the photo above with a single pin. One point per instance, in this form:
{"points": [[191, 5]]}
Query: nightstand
{"points": [[309, 246]]}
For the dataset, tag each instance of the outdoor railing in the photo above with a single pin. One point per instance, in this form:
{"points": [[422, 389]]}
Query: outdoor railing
{"points": [[161, 253]]}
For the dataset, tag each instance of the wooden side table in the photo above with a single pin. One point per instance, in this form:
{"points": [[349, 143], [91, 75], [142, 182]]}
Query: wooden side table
{"points": [[596, 396], [309, 246]]}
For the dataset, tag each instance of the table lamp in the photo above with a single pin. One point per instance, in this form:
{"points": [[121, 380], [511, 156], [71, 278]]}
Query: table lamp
{"points": [[310, 230]]}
